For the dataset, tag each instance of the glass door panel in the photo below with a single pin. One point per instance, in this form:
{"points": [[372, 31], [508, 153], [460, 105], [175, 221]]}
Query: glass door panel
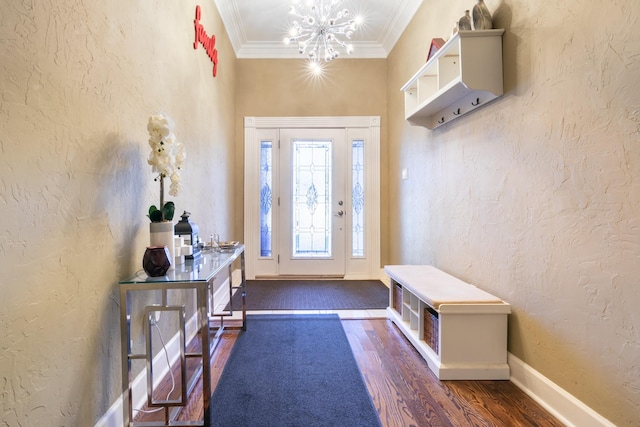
{"points": [[313, 220], [311, 202]]}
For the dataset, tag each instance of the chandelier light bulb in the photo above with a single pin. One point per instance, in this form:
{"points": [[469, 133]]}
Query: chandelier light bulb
{"points": [[315, 68], [322, 27]]}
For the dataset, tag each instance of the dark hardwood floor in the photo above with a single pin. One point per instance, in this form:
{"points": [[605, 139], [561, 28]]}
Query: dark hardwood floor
{"points": [[407, 393], [404, 390]]}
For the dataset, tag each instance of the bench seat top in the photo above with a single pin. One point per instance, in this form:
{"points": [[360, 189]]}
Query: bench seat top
{"points": [[435, 287]]}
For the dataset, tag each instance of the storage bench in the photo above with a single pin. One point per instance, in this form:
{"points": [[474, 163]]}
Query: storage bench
{"points": [[459, 329]]}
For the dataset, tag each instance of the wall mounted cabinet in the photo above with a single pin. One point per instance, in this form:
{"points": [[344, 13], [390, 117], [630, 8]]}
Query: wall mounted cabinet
{"points": [[464, 74]]}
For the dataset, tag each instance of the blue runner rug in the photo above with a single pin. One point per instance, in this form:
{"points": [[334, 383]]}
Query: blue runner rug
{"points": [[292, 370]]}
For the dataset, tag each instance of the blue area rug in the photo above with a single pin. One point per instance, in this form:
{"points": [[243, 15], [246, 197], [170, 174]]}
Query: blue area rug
{"points": [[292, 370]]}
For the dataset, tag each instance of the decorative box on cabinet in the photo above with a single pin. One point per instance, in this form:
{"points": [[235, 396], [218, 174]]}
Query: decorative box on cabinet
{"points": [[459, 329], [464, 74]]}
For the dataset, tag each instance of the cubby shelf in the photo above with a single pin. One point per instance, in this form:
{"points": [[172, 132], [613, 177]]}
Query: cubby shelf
{"points": [[459, 329], [464, 74]]}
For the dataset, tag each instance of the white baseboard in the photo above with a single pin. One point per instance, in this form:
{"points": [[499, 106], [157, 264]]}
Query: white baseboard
{"points": [[221, 294], [564, 406], [114, 416], [384, 278]]}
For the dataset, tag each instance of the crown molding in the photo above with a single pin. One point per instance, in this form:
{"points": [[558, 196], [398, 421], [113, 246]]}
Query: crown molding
{"points": [[274, 50], [232, 20], [399, 18]]}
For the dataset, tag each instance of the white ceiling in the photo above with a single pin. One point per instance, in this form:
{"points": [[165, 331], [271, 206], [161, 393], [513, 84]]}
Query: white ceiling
{"points": [[256, 27]]}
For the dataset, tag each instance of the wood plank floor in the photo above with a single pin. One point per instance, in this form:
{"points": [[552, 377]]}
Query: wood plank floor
{"points": [[404, 390], [407, 393]]}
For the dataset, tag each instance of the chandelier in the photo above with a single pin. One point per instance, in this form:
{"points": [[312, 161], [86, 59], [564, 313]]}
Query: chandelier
{"points": [[321, 29]]}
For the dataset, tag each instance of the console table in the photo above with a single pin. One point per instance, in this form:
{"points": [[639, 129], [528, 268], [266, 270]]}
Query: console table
{"points": [[459, 329], [181, 300]]}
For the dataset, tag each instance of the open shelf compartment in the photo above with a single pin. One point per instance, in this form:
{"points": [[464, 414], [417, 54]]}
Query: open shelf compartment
{"points": [[463, 75]]}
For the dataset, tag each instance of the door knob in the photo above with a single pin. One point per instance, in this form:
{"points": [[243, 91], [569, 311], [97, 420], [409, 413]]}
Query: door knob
{"points": [[340, 213]]}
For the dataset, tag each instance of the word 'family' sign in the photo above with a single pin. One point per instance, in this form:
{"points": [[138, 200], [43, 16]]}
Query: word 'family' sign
{"points": [[208, 43]]}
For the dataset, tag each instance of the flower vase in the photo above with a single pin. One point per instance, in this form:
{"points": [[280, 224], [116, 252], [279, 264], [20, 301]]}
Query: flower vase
{"points": [[161, 234], [482, 17], [156, 261]]}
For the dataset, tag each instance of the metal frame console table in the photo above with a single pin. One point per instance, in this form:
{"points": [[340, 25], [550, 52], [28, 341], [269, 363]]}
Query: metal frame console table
{"points": [[158, 295]]}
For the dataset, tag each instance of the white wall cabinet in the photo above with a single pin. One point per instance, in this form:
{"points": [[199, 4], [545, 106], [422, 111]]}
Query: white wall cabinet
{"points": [[464, 74]]}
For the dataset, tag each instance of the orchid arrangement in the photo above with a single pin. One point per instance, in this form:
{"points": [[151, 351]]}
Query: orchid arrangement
{"points": [[166, 158]]}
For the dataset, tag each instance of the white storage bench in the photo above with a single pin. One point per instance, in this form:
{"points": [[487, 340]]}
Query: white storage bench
{"points": [[459, 329]]}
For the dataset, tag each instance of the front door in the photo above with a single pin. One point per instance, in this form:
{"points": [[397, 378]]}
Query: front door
{"points": [[312, 205], [312, 196]]}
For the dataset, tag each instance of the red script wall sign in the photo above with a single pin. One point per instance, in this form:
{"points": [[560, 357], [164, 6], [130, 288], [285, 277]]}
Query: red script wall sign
{"points": [[208, 43]]}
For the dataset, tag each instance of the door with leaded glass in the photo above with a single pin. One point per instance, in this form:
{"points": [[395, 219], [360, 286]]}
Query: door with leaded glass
{"points": [[312, 202]]}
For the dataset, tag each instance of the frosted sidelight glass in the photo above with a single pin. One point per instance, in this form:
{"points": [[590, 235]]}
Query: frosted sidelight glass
{"points": [[266, 195], [357, 198]]}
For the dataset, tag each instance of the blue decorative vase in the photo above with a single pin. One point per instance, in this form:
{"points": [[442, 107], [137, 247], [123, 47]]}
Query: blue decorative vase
{"points": [[156, 261]]}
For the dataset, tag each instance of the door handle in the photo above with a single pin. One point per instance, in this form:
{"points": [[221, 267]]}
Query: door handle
{"points": [[340, 213]]}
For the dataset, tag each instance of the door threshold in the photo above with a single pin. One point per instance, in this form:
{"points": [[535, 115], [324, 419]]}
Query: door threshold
{"points": [[299, 277]]}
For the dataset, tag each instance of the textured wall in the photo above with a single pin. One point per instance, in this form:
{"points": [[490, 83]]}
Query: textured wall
{"points": [[281, 88], [536, 197], [78, 80]]}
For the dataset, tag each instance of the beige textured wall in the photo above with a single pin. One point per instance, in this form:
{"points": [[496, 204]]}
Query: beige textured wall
{"points": [[78, 80], [282, 88], [536, 197]]}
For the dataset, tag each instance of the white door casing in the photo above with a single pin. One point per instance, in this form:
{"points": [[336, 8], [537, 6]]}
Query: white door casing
{"points": [[259, 131]]}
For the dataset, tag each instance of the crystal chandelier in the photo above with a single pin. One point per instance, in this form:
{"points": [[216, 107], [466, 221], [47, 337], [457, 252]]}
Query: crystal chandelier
{"points": [[320, 29]]}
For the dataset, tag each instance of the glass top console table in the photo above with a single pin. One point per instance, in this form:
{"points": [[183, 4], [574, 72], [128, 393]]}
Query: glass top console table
{"points": [[182, 303]]}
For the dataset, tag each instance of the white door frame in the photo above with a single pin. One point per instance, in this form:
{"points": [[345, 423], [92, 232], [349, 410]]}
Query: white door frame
{"points": [[366, 128]]}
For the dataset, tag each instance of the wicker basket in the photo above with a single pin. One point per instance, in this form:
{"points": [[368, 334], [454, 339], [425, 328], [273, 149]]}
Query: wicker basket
{"points": [[432, 329]]}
